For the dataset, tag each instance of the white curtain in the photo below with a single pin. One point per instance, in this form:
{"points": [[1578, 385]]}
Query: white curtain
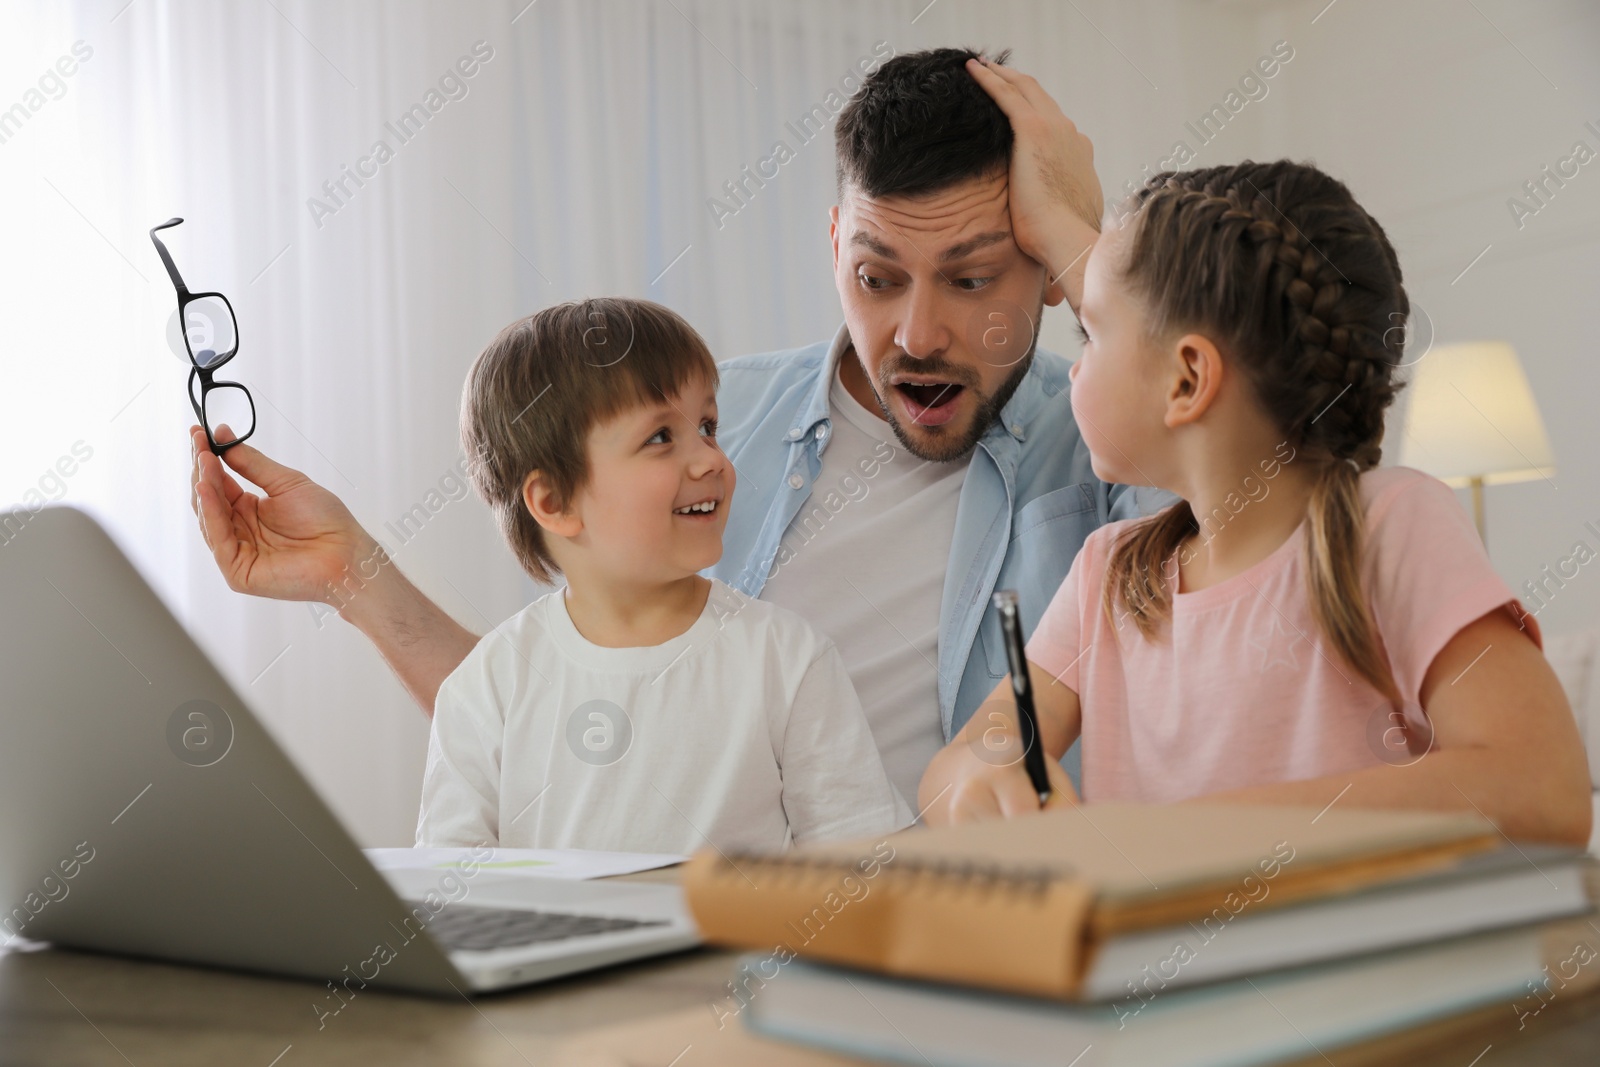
{"points": [[578, 159]]}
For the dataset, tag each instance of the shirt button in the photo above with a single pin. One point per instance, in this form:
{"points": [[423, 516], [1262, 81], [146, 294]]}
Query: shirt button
{"points": [[794, 435], [1016, 428], [795, 481], [822, 431]]}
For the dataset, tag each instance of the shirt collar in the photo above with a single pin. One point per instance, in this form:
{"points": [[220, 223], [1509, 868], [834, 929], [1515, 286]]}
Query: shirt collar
{"points": [[1013, 417], [816, 408]]}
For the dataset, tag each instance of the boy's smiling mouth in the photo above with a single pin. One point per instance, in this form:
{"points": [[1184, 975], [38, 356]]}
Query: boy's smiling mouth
{"points": [[701, 509]]}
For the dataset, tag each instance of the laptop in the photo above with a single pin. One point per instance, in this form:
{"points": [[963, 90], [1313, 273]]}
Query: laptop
{"points": [[145, 811]]}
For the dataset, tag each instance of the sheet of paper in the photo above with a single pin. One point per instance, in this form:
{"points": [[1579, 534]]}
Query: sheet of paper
{"points": [[568, 864]]}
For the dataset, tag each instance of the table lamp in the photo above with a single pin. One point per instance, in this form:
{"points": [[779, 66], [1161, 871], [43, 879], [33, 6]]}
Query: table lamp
{"points": [[1473, 421]]}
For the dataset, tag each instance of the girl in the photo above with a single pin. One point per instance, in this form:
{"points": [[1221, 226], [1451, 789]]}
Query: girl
{"points": [[1302, 627]]}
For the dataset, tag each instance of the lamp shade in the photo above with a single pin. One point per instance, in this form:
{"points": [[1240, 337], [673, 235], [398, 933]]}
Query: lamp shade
{"points": [[1472, 415]]}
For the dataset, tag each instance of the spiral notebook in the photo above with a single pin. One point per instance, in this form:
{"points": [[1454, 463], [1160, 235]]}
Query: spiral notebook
{"points": [[1033, 905]]}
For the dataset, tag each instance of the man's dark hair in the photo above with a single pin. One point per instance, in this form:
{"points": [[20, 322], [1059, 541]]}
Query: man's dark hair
{"points": [[919, 124]]}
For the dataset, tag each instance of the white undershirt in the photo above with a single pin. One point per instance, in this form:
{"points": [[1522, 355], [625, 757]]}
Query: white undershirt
{"points": [[864, 562]]}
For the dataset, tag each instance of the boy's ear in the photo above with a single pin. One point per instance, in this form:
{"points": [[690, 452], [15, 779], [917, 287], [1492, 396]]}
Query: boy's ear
{"points": [[1196, 376], [547, 508]]}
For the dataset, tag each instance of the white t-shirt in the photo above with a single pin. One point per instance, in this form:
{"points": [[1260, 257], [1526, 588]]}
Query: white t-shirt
{"points": [[742, 732], [864, 562]]}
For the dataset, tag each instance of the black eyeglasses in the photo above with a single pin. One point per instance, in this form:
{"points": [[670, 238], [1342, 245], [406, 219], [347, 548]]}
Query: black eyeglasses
{"points": [[211, 335]]}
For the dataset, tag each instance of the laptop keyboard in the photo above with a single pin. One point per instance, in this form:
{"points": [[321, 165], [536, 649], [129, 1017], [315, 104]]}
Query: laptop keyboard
{"points": [[469, 928]]}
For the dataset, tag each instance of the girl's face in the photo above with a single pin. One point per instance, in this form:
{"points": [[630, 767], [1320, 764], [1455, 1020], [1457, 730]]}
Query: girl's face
{"points": [[1117, 383]]}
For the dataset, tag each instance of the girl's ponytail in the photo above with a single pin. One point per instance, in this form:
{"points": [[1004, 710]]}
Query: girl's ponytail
{"points": [[1139, 568], [1335, 526]]}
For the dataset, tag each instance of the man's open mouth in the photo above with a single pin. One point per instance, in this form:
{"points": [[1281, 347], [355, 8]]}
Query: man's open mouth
{"points": [[930, 403]]}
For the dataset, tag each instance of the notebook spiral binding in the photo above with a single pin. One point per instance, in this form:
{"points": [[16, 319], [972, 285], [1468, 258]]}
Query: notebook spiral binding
{"points": [[965, 877]]}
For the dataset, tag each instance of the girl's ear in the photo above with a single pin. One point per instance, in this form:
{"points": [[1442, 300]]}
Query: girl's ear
{"points": [[1196, 378], [540, 498]]}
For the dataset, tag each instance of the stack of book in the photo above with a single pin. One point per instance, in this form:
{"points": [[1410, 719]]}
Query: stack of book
{"points": [[1125, 934]]}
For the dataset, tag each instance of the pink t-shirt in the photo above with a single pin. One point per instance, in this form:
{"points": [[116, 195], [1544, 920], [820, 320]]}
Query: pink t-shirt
{"points": [[1240, 688]]}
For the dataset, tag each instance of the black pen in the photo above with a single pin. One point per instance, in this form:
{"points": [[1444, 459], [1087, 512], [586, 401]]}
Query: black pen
{"points": [[1005, 602]]}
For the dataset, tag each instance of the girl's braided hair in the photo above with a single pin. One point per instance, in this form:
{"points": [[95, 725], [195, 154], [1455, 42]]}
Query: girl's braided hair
{"points": [[1301, 291]]}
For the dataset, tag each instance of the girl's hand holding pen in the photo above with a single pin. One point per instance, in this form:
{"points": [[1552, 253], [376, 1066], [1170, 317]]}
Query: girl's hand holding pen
{"points": [[980, 774]]}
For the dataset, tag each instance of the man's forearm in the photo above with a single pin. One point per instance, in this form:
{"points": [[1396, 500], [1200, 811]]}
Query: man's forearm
{"points": [[1066, 253], [421, 643]]}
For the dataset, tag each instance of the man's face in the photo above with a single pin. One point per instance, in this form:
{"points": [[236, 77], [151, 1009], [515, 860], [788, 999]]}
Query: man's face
{"points": [[942, 308]]}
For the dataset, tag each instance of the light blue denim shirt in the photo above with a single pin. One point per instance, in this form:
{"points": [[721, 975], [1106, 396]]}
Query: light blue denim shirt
{"points": [[1028, 501]]}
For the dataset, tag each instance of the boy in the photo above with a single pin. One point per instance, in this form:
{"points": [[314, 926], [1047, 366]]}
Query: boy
{"points": [[642, 707]]}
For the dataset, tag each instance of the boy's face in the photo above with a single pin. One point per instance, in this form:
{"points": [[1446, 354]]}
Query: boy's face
{"points": [[645, 465]]}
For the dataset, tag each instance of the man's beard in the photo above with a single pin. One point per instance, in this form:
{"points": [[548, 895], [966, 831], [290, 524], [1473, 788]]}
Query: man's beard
{"points": [[947, 449]]}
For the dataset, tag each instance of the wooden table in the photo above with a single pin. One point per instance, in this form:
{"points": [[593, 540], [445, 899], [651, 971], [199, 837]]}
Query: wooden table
{"points": [[59, 1007]]}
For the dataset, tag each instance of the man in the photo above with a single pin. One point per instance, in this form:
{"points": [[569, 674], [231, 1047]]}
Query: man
{"points": [[889, 480]]}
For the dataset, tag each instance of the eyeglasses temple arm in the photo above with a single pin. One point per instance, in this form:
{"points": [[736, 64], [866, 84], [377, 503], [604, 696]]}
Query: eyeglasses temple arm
{"points": [[166, 258]]}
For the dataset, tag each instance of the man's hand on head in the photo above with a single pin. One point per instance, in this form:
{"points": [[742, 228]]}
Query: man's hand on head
{"points": [[1055, 198]]}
